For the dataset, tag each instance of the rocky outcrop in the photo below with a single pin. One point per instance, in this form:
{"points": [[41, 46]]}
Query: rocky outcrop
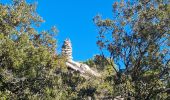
{"points": [[77, 66], [67, 49]]}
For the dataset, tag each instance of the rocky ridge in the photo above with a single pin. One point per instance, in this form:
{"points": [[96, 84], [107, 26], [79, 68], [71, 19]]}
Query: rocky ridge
{"points": [[77, 66]]}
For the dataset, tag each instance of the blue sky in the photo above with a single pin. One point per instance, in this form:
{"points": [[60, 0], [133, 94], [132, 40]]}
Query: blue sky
{"points": [[73, 19]]}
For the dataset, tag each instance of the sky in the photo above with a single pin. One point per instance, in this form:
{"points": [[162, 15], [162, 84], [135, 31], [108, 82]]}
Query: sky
{"points": [[74, 20]]}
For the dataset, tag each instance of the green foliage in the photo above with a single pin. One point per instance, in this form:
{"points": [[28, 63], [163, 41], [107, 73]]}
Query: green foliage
{"points": [[30, 68], [137, 39], [105, 84], [28, 62]]}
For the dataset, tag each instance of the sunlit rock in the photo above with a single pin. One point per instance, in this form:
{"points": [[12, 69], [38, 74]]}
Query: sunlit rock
{"points": [[77, 66]]}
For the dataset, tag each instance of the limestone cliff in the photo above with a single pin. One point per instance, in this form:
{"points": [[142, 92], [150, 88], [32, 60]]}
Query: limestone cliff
{"points": [[77, 66]]}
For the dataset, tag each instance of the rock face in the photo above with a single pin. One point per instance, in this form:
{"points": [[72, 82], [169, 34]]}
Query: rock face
{"points": [[67, 49], [77, 66]]}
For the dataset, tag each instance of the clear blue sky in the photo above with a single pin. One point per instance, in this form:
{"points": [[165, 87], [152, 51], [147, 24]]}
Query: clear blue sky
{"points": [[73, 19]]}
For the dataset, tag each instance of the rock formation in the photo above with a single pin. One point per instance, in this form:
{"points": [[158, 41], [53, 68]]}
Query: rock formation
{"points": [[77, 66], [67, 49]]}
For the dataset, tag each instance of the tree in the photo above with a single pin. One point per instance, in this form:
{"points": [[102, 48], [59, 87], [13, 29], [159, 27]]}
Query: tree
{"points": [[29, 66], [137, 39], [28, 60], [105, 84]]}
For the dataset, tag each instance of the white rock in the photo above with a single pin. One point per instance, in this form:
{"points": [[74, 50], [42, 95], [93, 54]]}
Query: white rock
{"points": [[82, 68]]}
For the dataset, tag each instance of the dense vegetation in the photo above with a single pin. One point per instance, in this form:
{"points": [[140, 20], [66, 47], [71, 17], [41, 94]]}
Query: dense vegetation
{"points": [[137, 38]]}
